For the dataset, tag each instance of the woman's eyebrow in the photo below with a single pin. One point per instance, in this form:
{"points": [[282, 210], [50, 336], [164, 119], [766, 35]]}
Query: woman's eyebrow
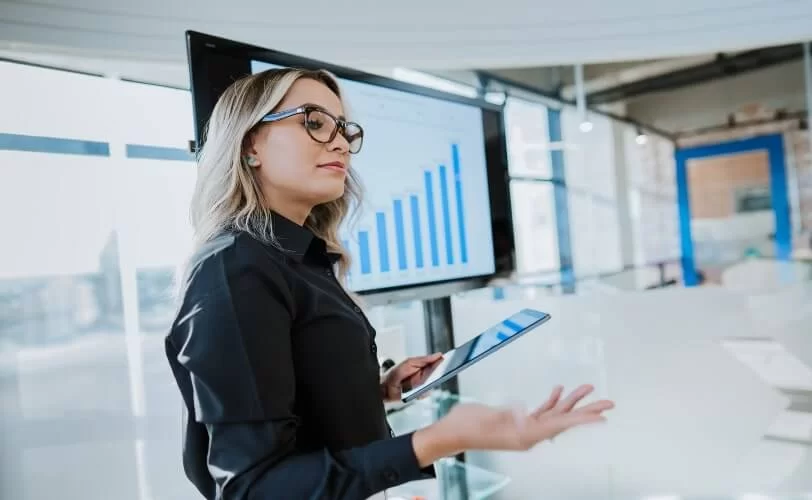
{"points": [[314, 105]]}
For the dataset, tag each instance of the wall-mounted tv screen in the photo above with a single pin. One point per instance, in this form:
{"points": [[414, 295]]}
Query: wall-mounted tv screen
{"points": [[436, 210]]}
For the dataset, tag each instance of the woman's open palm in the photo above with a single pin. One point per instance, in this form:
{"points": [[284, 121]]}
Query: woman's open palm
{"points": [[488, 428]]}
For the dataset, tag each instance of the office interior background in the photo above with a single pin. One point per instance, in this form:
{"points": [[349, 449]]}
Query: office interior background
{"points": [[660, 183]]}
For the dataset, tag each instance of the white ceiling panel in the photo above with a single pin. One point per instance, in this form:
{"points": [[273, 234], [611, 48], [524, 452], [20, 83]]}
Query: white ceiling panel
{"points": [[421, 33]]}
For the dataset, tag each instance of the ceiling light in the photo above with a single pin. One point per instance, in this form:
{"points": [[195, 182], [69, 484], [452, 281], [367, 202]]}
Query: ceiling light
{"points": [[641, 138]]}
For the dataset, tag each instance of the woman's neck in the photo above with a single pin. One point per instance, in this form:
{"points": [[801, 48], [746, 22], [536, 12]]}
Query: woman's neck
{"points": [[297, 215]]}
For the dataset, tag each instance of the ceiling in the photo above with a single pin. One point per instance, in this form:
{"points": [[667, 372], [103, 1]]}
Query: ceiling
{"points": [[419, 34]]}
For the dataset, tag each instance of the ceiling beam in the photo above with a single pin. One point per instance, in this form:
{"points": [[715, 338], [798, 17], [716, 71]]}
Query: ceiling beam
{"points": [[613, 79], [785, 440], [722, 66]]}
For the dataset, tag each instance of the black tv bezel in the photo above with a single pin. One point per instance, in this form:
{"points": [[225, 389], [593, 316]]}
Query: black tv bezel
{"points": [[232, 60]]}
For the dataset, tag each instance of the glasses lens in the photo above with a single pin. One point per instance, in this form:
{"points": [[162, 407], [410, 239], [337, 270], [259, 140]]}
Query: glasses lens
{"points": [[319, 125], [355, 136]]}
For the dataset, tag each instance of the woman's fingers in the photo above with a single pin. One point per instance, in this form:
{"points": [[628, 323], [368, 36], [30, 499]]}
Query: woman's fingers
{"points": [[557, 415], [421, 361], [597, 406], [555, 424], [551, 401], [577, 395], [557, 405], [571, 420]]}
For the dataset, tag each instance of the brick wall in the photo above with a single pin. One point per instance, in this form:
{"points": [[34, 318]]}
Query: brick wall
{"points": [[713, 182], [798, 158]]}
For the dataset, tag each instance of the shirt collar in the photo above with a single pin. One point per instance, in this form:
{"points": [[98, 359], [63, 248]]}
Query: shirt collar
{"points": [[298, 240]]}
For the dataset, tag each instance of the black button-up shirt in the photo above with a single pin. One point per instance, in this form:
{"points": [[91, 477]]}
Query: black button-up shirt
{"points": [[278, 370]]}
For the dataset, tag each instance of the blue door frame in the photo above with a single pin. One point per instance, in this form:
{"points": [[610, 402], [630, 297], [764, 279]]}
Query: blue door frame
{"points": [[774, 145]]}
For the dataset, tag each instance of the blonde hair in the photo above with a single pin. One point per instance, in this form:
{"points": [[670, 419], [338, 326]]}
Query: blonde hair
{"points": [[227, 194]]}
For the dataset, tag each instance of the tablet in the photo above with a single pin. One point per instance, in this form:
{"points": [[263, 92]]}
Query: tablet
{"points": [[478, 348]]}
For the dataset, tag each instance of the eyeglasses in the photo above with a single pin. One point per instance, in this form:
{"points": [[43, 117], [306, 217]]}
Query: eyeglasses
{"points": [[322, 126]]}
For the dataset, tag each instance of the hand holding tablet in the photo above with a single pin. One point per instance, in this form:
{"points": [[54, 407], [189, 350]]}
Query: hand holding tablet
{"points": [[483, 345], [410, 373]]}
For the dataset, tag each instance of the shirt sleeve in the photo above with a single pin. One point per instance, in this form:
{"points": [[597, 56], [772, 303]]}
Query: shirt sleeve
{"points": [[235, 344]]}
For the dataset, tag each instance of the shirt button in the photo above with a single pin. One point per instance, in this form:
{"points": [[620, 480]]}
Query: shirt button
{"points": [[374, 348], [328, 272], [356, 309], [390, 475]]}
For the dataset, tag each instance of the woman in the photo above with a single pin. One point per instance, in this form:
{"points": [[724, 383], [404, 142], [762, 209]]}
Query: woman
{"points": [[274, 359]]}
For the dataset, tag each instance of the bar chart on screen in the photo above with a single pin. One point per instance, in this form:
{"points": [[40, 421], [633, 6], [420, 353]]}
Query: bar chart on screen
{"points": [[418, 231]]}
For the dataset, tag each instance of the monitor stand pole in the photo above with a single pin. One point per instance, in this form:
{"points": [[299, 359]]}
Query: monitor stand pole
{"points": [[440, 338]]}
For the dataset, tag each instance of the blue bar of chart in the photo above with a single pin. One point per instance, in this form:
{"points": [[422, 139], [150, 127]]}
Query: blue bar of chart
{"points": [[449, 247], [383, 246], [400, 234], [363, 243], [418, 223], [435, 252], [455, 159], [418, 237]]}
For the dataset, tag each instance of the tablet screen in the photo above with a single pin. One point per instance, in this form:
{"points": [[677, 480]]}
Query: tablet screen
{"points": [[479, 347]]}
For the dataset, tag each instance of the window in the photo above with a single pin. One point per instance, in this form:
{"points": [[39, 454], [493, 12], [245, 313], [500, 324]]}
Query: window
{"points": [[591, 180], [535, 217], [651, 174], [93, 373], [528, 139], [753, 199]]}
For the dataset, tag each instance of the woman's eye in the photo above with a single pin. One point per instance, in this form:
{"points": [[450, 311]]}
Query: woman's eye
{"points": [[314, 124]]}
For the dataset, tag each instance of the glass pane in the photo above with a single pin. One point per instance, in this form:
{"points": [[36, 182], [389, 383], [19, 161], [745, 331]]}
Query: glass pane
{"points": [[66, 358], [651, 175], [666, 166], [153, 163], [655, 226], [581, 218], [534, 220], [590, 156], [606, 237], [528, 139], [803, 171], [641, 159], [401, 331], [650, 166], [595, 234], [84, 289]]}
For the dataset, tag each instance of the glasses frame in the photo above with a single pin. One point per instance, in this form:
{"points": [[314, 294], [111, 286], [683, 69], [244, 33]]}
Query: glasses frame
{"points": [[307, 109]]}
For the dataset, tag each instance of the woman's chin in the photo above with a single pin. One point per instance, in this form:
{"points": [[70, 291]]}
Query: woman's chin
{"points": [[329, 193]]}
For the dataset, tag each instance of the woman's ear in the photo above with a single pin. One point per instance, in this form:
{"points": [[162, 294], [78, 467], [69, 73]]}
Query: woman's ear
{"points": [[249, 152]]}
